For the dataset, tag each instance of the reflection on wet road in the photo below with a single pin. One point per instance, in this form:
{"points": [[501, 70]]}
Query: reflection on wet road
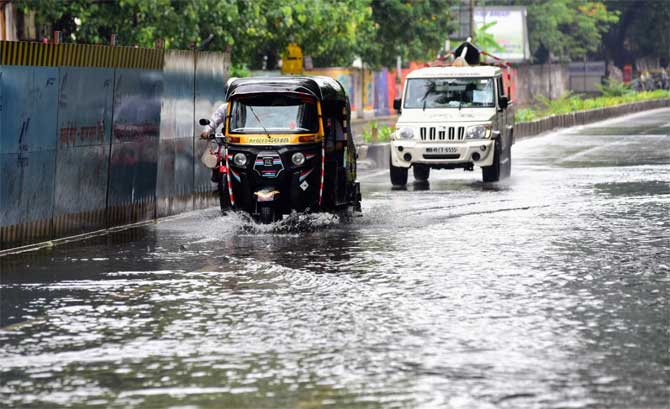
{"points": [[549, 290]]}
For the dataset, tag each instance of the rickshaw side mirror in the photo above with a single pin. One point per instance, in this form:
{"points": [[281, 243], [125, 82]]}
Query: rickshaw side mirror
{"points": [[203, 121], [396, 104]]}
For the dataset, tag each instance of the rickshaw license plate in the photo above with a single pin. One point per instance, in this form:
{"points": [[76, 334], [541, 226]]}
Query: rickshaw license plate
{"points": [[442, 150]]}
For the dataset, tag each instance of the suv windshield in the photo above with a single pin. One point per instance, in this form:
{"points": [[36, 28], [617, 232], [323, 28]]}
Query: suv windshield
{"points": [[276, 113], [449, 93]]}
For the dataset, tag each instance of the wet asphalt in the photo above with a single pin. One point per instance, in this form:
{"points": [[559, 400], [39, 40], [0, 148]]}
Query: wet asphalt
{"points": [[547, 290]]}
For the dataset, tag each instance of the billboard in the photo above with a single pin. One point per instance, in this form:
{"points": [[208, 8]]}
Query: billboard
{"points": [[509, 30]]}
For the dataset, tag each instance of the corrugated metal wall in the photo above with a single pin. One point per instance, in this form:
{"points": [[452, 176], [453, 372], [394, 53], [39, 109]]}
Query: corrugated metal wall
{"points": [[210, 80], [93, 137], [85, 106], [174, 191], [131, 194], [27, 152]]}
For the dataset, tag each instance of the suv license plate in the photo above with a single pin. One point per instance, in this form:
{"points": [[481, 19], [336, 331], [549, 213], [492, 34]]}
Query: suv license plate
{"points": [[442, 150]]}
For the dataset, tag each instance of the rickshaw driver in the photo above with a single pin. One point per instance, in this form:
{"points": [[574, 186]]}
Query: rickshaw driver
{"points": [[218, 117]]}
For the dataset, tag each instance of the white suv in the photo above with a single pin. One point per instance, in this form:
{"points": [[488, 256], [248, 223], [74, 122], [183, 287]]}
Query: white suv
{"points": [[453, 117]]}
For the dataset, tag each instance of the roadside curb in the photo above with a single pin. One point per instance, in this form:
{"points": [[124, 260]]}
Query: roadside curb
{"points": [[374, 156], [382, 119], [524, 130]]}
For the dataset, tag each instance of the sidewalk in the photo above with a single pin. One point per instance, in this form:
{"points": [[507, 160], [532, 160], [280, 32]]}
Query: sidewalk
{"points": [[371, 156]]}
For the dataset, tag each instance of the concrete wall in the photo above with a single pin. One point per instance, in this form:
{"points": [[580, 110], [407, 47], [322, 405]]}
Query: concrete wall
{"points": [[372, 93], [549, 80], [93, 137]]}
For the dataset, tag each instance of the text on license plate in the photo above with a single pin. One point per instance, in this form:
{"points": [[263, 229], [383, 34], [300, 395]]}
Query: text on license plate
{"points": [[442, 150]]}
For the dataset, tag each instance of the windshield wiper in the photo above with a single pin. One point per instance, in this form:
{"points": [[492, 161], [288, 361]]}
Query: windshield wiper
{"points": [[430, 90], [259, 121]]}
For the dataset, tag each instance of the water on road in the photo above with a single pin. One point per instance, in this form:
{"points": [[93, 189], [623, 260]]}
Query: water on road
{"points": [[548, 290]]}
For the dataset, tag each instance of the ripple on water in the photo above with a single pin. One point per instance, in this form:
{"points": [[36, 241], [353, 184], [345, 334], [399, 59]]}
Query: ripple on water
{"points": [[546, 292]]}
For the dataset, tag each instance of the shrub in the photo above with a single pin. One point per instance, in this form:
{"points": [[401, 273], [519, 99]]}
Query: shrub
{"points": [[525, 115], [614, 88], [383, 133], [572, 103]]}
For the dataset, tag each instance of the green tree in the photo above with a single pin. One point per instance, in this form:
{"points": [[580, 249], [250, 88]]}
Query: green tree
{"points": [[332, 32], [326, 30], [564, 29], [485, 40], [567, 29], [414, 30], [642, 31], [254, 29]]}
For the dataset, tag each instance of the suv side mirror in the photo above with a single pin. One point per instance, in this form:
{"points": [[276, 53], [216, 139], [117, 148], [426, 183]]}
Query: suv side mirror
{"points": [[396, 104], [504, 102], [203, 121]]}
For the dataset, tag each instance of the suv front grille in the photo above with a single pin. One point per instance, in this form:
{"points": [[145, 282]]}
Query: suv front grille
{"points": [[451, 133]]}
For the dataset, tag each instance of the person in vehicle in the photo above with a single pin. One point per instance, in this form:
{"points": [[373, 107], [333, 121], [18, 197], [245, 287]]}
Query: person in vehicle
{"points": [[217, 119]]}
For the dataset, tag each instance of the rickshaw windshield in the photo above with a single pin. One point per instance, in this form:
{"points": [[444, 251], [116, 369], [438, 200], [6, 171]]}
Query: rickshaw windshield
{"points": [[274, 114]]}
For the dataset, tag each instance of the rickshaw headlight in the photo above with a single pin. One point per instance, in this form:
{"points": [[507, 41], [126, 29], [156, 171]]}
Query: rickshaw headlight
{"points": [[478, 132], [298, 158], [240, 159], [405, 133]]}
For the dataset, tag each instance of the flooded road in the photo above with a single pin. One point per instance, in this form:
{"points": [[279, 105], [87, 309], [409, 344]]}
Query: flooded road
{"points": [[549, 290]]}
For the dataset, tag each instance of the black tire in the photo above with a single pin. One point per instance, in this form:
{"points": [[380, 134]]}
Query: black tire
{"points": [[492, 173], [267, 215], [398, 175], [508, 165], [421, 173], [357, 197]]}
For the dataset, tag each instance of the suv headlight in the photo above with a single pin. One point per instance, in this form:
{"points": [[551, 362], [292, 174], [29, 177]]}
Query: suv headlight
{"points": [[405, 133], [478, 132]]}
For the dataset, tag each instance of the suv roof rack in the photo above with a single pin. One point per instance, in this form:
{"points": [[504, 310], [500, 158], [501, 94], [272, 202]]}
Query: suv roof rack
{"points": [[469, 54]]}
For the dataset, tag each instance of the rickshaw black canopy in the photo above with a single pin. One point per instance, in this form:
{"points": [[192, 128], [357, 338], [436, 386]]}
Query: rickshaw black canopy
{"points": [[322, 88]]}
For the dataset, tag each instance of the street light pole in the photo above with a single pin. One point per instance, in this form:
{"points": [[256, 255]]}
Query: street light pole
{"points": [[472, 19]]}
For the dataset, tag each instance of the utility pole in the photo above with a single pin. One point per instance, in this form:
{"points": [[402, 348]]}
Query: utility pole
{"points": [[472, 19]]}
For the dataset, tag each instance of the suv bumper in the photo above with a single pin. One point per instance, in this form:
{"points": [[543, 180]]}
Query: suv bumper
{"points": [[478, 152]]}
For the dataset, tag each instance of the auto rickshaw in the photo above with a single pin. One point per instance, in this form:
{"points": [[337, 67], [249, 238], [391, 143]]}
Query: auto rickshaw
{"points": [[285, 146]]}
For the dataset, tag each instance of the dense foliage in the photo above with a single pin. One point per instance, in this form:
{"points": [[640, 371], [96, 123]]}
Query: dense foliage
{"points": [[414, 30], [643, 30], [332, 32], [564, 29], [383, 133]]}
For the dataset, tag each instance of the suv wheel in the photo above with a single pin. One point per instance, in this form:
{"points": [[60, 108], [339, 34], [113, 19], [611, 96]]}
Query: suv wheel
{"points": [[492, 173], [421, 173], [398, 175]]}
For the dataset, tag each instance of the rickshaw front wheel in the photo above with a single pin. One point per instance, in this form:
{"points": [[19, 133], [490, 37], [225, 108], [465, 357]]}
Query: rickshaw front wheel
{"points": [[224, 199], [267, 215]]}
